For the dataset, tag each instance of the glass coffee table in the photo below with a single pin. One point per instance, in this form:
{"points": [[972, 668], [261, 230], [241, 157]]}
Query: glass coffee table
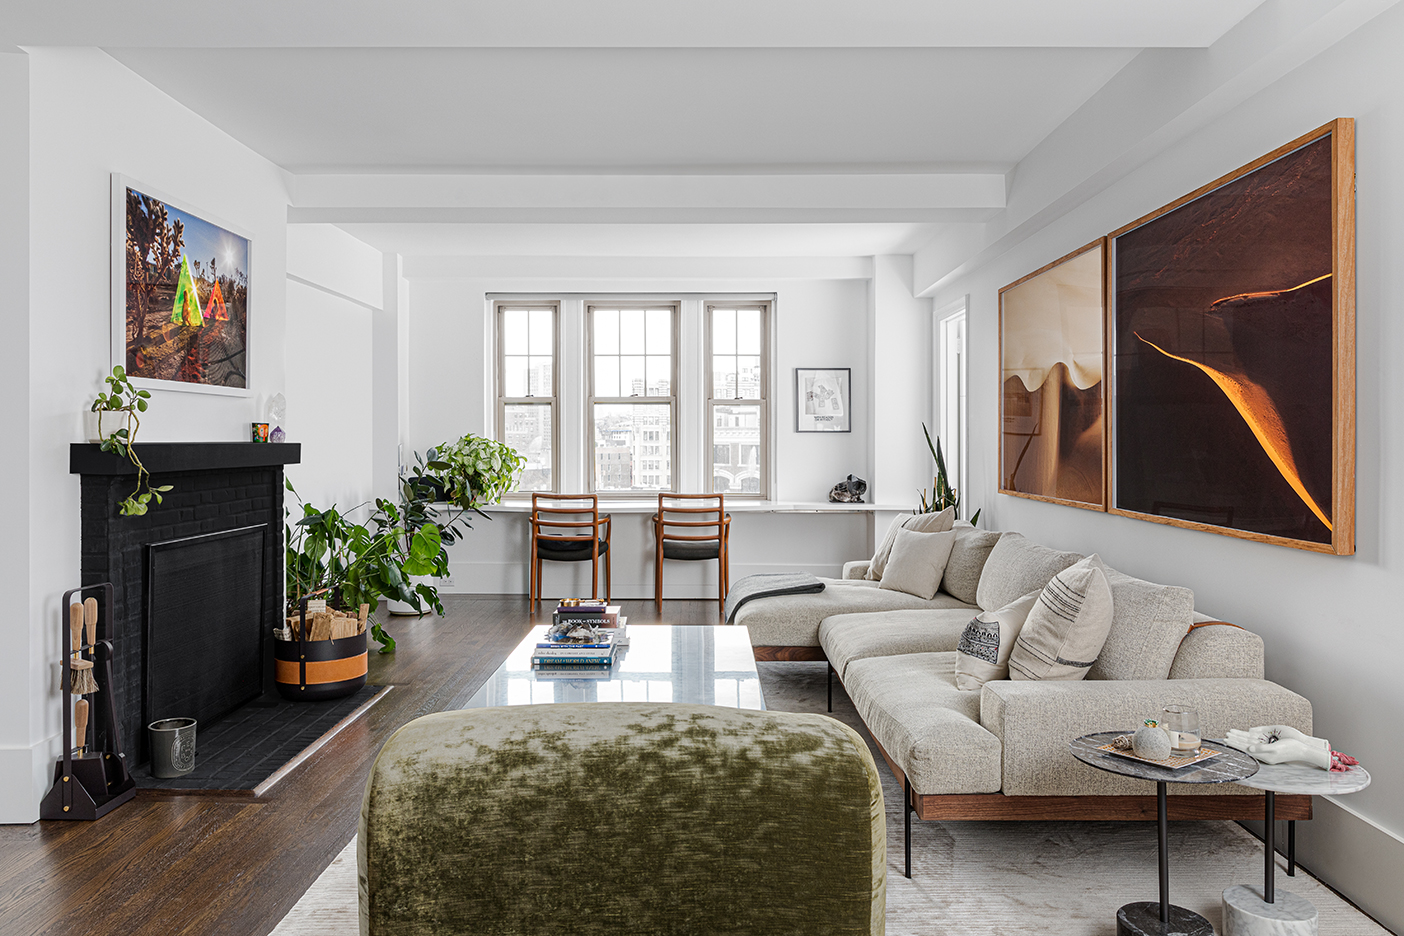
{"points": [[1146, 918], [706, 665]]}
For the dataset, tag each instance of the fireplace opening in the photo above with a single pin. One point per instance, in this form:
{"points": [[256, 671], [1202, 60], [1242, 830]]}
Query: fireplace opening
{"points": [[204, 640]]}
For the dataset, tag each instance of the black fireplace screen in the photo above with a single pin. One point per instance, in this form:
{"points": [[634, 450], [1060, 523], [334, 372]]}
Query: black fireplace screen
{"points": [[204, 632]]}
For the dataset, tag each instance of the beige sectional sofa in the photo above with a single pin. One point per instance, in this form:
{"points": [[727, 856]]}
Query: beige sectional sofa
{"points": [[1001, 752]]}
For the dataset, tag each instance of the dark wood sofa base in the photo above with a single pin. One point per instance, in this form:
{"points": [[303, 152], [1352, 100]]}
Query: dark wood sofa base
{"points": [[771, 654], [951, 807]]}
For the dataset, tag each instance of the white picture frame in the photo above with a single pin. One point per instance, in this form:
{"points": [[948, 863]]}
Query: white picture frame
{"points": [[243, 265], [823, 399]]}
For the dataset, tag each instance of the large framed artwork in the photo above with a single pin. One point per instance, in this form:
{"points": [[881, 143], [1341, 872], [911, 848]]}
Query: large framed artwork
{"points": [[1233, 331], [180, 294], [1051, 337], [823, 399]]}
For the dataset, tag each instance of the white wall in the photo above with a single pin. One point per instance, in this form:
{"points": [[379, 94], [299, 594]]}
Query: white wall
{"points": [[88, 117], [818, 323], [18, 760], [1331, 623], [333, 292]]}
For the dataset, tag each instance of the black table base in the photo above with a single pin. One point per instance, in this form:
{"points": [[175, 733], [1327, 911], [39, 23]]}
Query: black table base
{"points": [[1143, 919]]}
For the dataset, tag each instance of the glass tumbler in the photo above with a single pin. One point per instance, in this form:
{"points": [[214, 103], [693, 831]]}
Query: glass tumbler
{"points": [[1182, 724]]}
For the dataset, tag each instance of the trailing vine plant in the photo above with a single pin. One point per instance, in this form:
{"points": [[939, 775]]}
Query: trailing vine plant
{"points": [[122, 397]]}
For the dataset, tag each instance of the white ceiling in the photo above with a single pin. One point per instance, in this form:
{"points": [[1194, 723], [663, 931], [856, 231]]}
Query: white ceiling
{"points": [[622, 23], [383, 110], [731, 128]]}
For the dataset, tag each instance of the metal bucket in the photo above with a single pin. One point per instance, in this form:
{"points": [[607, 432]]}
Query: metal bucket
{"points": [[172, 747]]}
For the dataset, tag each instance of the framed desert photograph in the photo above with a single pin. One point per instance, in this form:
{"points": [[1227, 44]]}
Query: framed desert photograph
{"points": [[180, 294], [823, 399], [1052, 396], [1234, 352]]}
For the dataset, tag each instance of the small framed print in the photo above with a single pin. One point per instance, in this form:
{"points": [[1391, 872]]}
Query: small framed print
{"points": [[823, 401]]}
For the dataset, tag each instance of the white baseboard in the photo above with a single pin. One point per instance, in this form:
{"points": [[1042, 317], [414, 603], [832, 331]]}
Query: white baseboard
{"points": [[1353, 854], [25, 776]]}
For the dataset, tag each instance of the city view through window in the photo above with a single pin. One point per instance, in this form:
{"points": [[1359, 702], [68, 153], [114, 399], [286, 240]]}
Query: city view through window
{"points": [[632, 372], [631, 353], [528, 390], [738, 382]]}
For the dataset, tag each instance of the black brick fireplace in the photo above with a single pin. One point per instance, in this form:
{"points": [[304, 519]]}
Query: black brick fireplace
{"points": [[201, 642]]}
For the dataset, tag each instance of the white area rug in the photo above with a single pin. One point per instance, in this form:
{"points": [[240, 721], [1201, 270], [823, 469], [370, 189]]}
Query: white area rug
{"points": [[983, 878]]}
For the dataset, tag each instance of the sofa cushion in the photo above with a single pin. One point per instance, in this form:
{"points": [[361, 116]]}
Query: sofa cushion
{"points": [[1067, 627], [1017, 566], [968, 556], [921, 523], [849, 637], [1214, 649], [1148, 622], [930, 728], [793, 620], [916, 562], [987, 641]]}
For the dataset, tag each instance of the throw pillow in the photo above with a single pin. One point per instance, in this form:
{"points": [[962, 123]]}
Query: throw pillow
{"points": [[972, 548], [1017, 566], [1067, 627], [920, 523], [986, 642], [917, 561]]}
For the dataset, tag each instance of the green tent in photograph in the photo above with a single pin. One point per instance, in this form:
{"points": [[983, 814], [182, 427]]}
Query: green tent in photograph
{"points": [[187, 298]]}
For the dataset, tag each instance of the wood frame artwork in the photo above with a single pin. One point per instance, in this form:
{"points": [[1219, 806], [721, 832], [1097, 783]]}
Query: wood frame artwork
{"points": [[1052, 349], [1232, 341]]}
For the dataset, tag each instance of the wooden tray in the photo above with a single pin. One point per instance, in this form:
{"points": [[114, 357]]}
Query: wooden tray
{"points": [[1172, 762]]}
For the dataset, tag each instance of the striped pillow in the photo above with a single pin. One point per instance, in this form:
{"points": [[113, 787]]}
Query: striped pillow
{"points": [[1067, 626]]}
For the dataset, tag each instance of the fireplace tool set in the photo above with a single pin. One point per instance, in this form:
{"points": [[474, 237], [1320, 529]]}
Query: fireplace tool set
{"points": [[88, 782]]}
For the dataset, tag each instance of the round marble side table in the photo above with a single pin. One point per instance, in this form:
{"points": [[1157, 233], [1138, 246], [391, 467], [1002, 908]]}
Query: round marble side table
{"points": [[1147, 918], [1266, 911]]}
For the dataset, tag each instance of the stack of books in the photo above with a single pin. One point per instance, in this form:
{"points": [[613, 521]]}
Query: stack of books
{"points": [[567, 658]]}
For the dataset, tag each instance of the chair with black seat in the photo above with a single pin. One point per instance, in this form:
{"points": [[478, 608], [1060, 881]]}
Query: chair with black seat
{"points": [[569, 528], [692, 527]]}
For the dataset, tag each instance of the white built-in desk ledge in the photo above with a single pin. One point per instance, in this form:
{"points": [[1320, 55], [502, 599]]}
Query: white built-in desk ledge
{"points": [[650, 506]]}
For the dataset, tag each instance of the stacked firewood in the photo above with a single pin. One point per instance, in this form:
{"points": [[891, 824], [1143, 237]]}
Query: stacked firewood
{"points": [[328, 624]]}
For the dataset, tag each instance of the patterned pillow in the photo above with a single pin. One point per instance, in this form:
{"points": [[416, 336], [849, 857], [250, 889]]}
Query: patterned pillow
{"points": [[986, 642], [1067, 627]]}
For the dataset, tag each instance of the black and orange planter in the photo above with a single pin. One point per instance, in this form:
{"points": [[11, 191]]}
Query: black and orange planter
{"points": [[313, 670]]}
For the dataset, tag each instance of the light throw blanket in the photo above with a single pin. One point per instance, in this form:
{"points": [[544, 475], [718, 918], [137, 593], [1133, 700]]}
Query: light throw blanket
{"points": [[769, 585]]}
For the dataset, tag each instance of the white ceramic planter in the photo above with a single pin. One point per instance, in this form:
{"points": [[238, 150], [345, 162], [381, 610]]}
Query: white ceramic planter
{"points": [[96, 425], [403, 608]]}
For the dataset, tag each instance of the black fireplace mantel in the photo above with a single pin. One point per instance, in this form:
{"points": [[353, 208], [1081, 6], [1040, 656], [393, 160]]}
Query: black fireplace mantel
{"points": [[216, 488], [88, 458]]}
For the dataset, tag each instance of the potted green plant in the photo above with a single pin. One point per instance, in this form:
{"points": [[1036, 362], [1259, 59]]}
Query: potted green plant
{"points": [[122, 402], [349, 564], [475, 471], [942, 494], [464, 476]]}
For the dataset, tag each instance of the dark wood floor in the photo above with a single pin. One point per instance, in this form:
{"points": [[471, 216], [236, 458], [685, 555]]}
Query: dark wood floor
{"points": [[168, 863]]}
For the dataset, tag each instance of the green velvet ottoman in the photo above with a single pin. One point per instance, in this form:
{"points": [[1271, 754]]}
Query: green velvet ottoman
{"points": [[630, 817]]}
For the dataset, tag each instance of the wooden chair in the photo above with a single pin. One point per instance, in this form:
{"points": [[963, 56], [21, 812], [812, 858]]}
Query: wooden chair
{"points": [[692, 527], [568, 528]]}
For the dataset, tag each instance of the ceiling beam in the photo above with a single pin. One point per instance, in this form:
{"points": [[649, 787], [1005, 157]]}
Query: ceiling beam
{"points": [[951, 196], [623, 23]]}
